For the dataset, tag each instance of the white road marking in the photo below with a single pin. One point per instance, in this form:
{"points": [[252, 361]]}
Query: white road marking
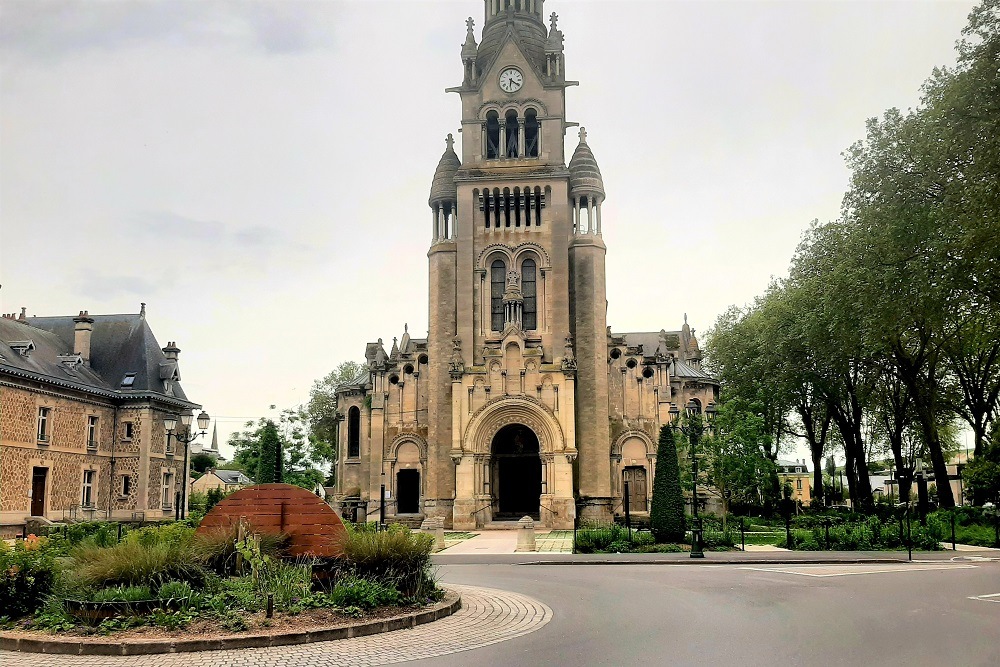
{"points": [[984, 597], [842, 571]]}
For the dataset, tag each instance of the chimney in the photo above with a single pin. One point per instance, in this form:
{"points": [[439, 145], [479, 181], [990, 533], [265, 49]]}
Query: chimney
{"points": [[171, 351], [23, 317], [84, 327]]}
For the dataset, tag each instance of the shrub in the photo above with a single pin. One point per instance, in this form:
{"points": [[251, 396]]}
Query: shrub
{"points": [[122, 594], [135, 562], [27, 574], [217, 548], [363, 593], [175, 590], [592, 538], [666, 514], [395, 556]]}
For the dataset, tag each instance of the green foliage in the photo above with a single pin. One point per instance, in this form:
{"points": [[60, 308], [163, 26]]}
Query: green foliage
{"points": [[982, 476], [301, 454], [217, 549], [27, 575], [865, 534], [395, 556], [175, 590], [666, 514], [734, 461], [150, 555], [122, 594], [201, 462], [269, 467], [363, 593]]}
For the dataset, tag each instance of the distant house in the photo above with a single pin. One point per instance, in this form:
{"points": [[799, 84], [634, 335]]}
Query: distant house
{"points": [[796, 474], [83, 401], [227, 480]]}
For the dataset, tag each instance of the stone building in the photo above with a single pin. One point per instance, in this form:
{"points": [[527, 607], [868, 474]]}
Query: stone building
{"points": [[82, 404], [521, 400]]}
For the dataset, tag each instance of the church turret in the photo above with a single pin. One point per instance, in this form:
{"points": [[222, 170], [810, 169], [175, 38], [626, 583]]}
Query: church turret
{"points": [[586, 188], [444, 194]]}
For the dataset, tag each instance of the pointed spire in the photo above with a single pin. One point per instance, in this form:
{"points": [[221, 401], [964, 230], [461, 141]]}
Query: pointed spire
{"points": [[470, 48], [215, 437]]}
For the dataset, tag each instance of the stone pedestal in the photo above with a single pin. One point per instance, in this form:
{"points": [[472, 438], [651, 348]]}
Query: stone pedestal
{"points": [[525, 534]]}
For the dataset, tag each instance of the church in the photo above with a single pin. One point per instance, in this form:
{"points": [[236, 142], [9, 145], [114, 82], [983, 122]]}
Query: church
{"points": [[521, 401]]}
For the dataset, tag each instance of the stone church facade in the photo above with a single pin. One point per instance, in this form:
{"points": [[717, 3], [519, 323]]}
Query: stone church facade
{"points": [[521, 400]]}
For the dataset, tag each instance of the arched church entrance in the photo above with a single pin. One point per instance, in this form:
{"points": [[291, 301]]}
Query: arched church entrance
{"points": [[516, 473]]}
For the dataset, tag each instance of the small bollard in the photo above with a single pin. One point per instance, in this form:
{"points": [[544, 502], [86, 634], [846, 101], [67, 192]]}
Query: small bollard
{"points": [[435, 527], [270, 606], [954, 546], [439, 533], [743, 534], [525, 534]]}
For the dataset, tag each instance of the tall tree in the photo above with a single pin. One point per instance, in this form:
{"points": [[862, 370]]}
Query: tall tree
{"points": [[666, 512]]}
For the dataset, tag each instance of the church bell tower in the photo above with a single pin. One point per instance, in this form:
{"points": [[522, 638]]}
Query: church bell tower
{"points": [[517, 341]]}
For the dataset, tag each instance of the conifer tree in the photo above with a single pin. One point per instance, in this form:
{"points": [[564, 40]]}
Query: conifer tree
{"points": [[269, 467], [666, 515]]}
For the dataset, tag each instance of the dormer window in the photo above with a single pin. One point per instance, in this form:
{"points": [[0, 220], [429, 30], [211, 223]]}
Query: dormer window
{"points": [[22, 347], [128, 380]]}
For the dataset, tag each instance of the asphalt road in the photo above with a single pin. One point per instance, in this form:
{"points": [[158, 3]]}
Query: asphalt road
{"points": [[747, 614]]}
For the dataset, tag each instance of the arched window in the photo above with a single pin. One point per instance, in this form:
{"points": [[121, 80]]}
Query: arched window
{"points": [[492, 135], [531, 133], [498, 278], [530, 316], [354, 433], [511, 127]]}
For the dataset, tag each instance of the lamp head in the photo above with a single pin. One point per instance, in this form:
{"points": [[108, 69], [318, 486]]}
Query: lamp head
{"points": [[692, 408], [170, 422], [674, 412], [186, 419], [203, 420]]}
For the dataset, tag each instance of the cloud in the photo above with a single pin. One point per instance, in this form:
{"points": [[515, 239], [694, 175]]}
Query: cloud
{"points": [[60, 29]]}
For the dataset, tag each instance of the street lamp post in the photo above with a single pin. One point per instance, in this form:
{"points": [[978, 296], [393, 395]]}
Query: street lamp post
{"points": [[693, 430], [185, 438]]}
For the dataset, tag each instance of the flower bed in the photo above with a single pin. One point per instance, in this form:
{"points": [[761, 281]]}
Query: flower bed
{"points": [[165, 579]]}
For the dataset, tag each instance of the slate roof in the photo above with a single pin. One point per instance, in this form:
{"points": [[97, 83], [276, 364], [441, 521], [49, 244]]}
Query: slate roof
{"points": [[120, 344], [233, 477], [527, 31], [683, 370], [443, 188], [584, 174]]}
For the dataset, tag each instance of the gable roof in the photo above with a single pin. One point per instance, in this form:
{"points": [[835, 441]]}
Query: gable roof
{"points": [[233, 477]]}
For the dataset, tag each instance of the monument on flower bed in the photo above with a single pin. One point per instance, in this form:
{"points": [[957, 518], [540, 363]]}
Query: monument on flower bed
{"points": [[311, 526]]}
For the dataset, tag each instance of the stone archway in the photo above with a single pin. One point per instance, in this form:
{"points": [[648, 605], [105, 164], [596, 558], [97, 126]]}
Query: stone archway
{"points": [[515, 473]]}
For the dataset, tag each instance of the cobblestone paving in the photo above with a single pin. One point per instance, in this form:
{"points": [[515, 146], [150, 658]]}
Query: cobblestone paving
{"points": [[555, 541], [488, 616]]}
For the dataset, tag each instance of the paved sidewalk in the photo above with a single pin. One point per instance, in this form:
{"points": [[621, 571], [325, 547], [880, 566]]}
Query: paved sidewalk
{"points": [[488, 616]]}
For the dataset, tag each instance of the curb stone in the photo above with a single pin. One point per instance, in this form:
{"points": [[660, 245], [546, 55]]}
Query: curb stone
{"points": [[451, 603]]}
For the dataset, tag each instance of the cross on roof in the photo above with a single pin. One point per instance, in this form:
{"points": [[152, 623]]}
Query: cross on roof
{"points": [[583, 135], [450, 141], [469, 23], [553, 19]]}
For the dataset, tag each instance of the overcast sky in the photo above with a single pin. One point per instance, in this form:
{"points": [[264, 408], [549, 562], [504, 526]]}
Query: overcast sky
{"points": [[257, 172]]}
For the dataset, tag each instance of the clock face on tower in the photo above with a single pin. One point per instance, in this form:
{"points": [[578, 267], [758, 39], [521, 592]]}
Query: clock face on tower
{"points": [[511, 80]]}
